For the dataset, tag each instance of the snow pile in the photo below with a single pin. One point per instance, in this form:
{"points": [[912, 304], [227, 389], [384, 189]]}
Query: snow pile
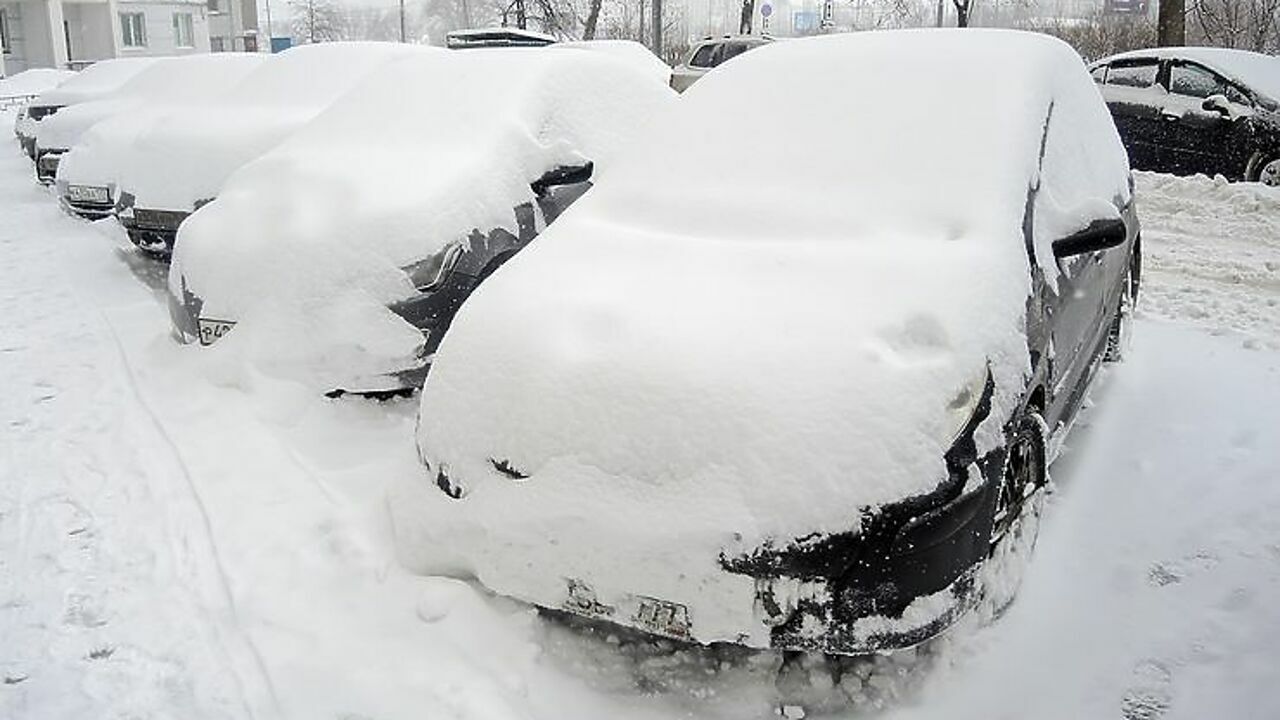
{"points": [[101, 133], [184, 160], [32, 82], [719, 349], [628, 51], [1212, 254], [304, 246]]}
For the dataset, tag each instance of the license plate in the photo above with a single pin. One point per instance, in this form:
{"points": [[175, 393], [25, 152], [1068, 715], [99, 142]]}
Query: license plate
{"points": [[662, 617], [88, 193], [211, 330]]}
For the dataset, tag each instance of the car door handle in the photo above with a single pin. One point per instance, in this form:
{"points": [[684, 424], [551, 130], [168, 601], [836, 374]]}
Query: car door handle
{"points": [[1170, 115]]}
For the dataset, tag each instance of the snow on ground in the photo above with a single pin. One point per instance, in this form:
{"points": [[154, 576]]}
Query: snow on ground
{"points": [[179, 543], [1212, 255]]}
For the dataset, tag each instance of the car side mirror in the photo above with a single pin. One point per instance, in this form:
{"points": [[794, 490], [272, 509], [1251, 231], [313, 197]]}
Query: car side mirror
{"points": [[1099, 235], [1218, 104]]}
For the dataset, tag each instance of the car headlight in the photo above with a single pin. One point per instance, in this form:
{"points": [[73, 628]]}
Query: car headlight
{"points": [[431, 270], [962, 405]]}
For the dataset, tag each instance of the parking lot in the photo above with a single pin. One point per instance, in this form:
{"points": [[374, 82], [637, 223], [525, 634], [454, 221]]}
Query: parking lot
{"points": [[191, 538]]}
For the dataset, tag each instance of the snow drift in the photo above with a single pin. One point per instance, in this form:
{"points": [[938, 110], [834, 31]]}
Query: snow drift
{"points": [[304, 247], [32, 82], [719, 349]]}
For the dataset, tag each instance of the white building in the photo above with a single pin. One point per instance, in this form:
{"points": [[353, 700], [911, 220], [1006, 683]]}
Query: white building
{"points": [[74, 33]]}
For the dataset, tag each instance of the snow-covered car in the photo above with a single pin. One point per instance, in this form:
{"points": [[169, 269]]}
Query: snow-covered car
{"points": [[1196, 110], [21, 88], [98, 136], [803, 401], [176, 166], [97, 80], [341, 256], [709, 54]]}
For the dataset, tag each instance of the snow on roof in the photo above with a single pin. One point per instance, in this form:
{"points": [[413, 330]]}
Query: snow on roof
{"points": [[1254, 70], [100, 78], [186, 159], [629, 51], [361, 192], [750, 331], [490, 37], [170, 80], [32, 82]]}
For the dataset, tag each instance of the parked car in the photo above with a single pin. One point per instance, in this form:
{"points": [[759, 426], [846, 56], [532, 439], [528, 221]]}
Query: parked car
{"points": [[179, 165], [340, 257], [87, 186], [807, 401], [1196, 110], [95, 81], [711, 53], [23, 87]]}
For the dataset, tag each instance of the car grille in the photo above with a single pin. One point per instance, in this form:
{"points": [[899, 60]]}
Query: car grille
{"points": [[40, 112], [159, 219]]}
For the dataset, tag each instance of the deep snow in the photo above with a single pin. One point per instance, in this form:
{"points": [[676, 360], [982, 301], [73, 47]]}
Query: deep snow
{"points": [[222, 551]]}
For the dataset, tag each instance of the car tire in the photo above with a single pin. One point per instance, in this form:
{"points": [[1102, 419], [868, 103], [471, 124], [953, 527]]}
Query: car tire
{"points": [[1264, 168], [1016, 514], [1121, 331]]}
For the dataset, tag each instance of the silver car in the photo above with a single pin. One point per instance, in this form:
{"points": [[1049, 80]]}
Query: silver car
{"points": [[710, 53]]}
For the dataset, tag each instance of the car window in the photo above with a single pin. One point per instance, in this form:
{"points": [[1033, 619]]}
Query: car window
{"points": [[707, 56], [733, 50], [1195, 82], [1099, 74], [1139, 75]]}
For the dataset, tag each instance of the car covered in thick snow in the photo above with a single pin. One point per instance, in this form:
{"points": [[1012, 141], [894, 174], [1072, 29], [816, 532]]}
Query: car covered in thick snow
{"points": [[98, 80], [803, 401], [1193, 110], [23, 87], [340, 257], [74, 136], [174, 167]]}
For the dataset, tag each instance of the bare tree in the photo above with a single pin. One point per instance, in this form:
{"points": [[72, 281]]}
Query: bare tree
{"points": [[593, 17], [1171, 23], [1099, 35], [317, 21], [1247, 24], [964, 9]]}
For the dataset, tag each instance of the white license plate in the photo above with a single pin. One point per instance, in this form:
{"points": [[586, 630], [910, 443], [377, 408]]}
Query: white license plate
{"points": [[211, 330], [88, 193], [662, 617]]}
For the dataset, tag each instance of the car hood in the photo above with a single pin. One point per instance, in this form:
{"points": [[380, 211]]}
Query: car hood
{"points": [[774, 388], [176, 164]]}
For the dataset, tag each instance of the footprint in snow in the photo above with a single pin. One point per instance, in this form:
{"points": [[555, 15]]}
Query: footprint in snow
{"points": [[1151, 695]]}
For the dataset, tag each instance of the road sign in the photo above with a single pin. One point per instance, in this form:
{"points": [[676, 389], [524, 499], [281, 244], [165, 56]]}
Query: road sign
{"points": [[766, 10]]}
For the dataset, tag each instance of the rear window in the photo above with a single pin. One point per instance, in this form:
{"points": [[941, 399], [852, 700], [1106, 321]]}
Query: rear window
{"points": [[707, 56], [1138, 75], [1099, 74], [733, 50]]}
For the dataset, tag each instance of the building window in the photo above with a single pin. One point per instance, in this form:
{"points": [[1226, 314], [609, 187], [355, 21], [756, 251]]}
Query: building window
{"points": [[183, 34], [213, 7], [133, 29], [216, 44]]}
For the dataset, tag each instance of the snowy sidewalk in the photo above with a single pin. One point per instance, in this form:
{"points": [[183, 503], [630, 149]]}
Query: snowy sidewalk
{"points": [[112, 602]]}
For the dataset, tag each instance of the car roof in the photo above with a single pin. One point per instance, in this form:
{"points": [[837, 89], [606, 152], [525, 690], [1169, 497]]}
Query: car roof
{"points": [[1256, 71]]}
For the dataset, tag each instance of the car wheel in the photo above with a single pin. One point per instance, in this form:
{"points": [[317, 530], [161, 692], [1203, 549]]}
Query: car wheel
{"points": [[1018, 507], [1264, 169], [1121, 324]]}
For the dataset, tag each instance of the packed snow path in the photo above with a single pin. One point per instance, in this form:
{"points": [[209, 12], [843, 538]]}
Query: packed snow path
{"points": [[184, 539]]}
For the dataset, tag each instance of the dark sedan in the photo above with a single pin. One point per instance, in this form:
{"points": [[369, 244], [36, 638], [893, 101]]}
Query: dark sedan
{"points": [[1196, 110]]}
